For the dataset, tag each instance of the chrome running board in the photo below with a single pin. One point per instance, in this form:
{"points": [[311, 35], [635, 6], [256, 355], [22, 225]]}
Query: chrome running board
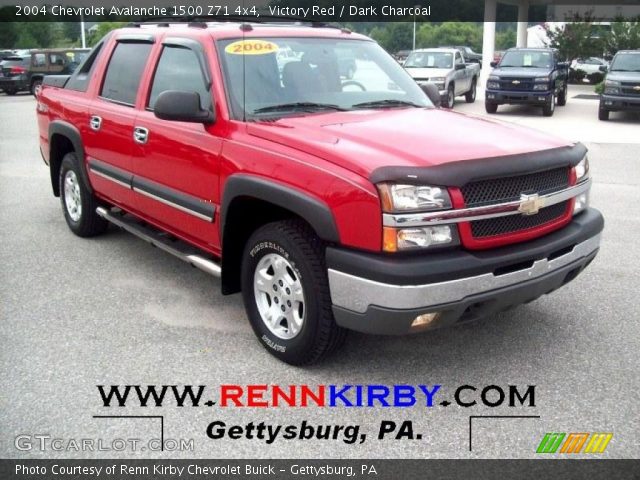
{"points": [[157, 238]]}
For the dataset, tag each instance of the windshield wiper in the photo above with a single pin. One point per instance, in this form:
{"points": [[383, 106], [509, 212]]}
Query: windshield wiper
{"points": [[303, 106], [386, 103]]}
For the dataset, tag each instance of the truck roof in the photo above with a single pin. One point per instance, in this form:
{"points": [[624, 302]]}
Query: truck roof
{"points": [[232, 29], [438, 49]]}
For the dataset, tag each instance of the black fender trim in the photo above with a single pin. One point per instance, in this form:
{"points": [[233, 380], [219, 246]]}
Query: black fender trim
{"points": [[66, 129], [458, 174], [317, 213]]}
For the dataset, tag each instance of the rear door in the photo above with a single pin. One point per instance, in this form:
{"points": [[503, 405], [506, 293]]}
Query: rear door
{"points": [[109, 124], [463, 82], [176, 164]]}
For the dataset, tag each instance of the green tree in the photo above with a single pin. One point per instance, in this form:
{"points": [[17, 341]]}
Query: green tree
{"points": [[505, 39], [576, 39], [623, 36], [102, 30]]}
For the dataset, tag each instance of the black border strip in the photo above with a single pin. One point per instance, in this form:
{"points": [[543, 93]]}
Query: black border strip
{"points": [[458, 174], [182, 201]]}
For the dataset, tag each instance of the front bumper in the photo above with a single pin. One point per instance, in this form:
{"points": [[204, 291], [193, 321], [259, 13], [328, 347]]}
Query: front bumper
{"points": [[384, 295], [517, 98], [618, 103]]}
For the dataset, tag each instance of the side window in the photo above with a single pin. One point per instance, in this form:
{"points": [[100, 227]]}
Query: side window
{"points": [[56, 59], [122, 79], [79, 81], [179, 69], [39, 60], [459, 58]]}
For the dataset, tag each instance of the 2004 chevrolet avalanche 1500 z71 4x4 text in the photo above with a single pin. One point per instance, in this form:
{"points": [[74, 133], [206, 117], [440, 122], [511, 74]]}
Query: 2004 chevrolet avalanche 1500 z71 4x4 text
{"points": [[331, 203]]}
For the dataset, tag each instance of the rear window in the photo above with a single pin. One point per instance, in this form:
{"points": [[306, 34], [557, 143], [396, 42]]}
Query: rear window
{"points": [[15, 62], [86, 61], [124, 72]]}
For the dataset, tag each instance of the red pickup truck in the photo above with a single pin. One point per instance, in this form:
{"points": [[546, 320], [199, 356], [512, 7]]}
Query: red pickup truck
{"points": [[330, 202]]}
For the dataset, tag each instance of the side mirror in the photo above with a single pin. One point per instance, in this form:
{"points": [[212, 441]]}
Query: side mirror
{"points": [[181, 106], [432, 92], [460, 66], [493, 64], [603, 68]]}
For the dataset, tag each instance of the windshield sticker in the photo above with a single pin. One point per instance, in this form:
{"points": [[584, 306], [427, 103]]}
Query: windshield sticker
{"points": [[251, 47], [527, 61]]}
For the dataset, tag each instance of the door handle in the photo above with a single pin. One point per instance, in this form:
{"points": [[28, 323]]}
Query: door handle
{"points": [[95, 123], [140, 135]]}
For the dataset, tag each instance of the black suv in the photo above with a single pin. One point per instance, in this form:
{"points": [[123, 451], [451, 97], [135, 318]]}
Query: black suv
{"points": [[530, 76], [621, 85]]}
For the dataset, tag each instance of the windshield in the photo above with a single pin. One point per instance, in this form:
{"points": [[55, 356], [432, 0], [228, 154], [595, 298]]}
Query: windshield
{"points": [[287, 76], [527, 59], [626, 62], [429, 60]]}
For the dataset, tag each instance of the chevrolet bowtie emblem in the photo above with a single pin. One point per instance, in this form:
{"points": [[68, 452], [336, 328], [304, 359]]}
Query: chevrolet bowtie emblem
{"points": [[516, 82], [530, 204]]}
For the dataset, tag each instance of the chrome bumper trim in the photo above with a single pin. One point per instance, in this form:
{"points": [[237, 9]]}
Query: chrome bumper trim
{"points": [[357, 294], [479, 213]]}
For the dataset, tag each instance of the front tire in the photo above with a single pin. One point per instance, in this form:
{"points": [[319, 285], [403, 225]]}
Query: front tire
{"points": [[451, 97], [603, 114], [286, 293], [549, 109], [491, 107], [470, 96], [35, 87], [562, 96], [78, 203]]}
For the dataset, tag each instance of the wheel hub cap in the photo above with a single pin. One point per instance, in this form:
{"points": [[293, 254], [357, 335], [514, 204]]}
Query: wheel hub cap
{"points": [[72, 198], [279, 296]]}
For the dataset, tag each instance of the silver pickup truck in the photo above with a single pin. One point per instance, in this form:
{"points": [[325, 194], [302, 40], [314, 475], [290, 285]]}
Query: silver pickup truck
{"points": [[448, 70]]}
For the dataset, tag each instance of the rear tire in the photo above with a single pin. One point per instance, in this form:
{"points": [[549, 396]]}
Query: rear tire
{"points": [[11, 91], [78, 204], [35, 85], [470, 96], [491, 107], [286, 293]]}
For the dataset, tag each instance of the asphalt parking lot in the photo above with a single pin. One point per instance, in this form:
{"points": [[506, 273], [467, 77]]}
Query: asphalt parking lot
{"points": [[78, 313]]}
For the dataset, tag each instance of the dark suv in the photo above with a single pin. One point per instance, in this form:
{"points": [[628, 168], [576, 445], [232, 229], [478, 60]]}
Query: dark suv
{"points": [[26, 72], [622, 84], [529, 76]]}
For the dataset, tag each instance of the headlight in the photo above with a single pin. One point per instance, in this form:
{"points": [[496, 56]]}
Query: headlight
{"points": [[407, 198], [582, 169], [611, 87], [542, 79], [494, 85], [439, 80], [403, 239]]}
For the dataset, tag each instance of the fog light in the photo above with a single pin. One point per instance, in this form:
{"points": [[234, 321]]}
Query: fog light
{"points": [[582, 202], [542, 99], [422, 321], [491, 96]]}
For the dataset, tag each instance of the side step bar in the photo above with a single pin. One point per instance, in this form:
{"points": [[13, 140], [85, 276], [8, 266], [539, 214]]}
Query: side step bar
{"points": [[177, 248]]}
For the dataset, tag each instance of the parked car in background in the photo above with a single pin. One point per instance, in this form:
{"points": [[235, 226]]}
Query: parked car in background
{"points": [[468, 53], [6, 54], [401, 55], [14, 74], [26, 72], [621, 84], [587, 69], [529, 76], [448, 70]]}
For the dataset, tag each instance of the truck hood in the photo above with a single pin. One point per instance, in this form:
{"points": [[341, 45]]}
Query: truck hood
{"points": [[428, 72], [624, 76], [521, 72], [364, 140]]}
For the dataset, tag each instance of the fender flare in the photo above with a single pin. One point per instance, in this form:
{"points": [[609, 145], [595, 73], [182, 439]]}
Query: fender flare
{"points": [[66, 129], [314, 211]]}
